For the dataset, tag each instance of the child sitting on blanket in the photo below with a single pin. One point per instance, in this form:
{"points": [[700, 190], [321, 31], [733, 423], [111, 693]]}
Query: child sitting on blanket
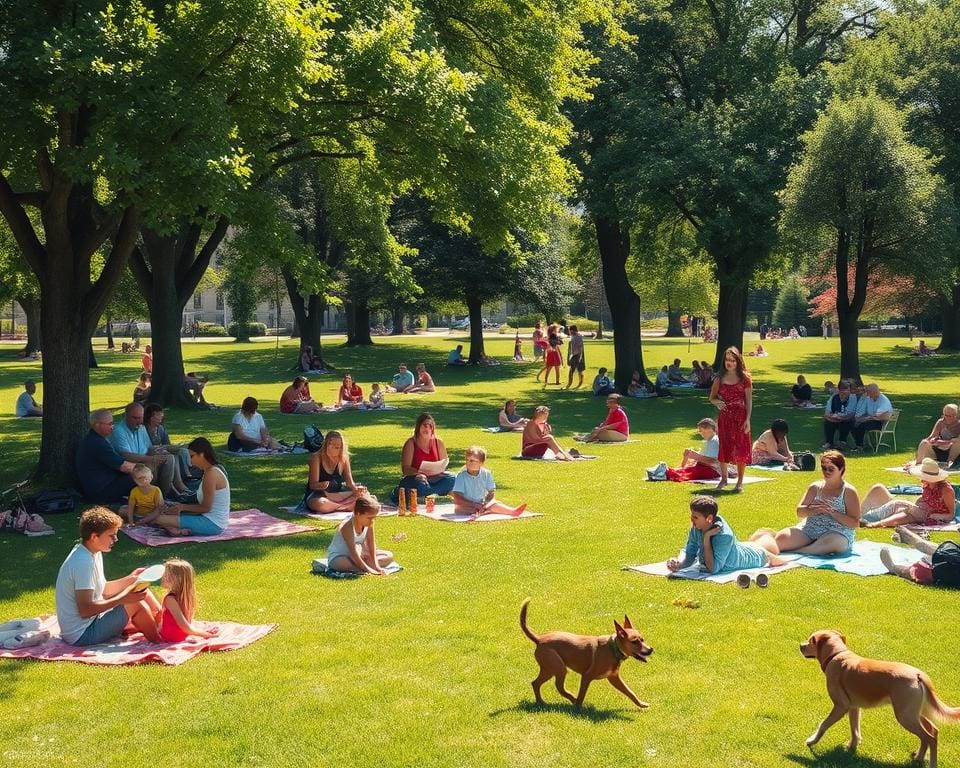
{"points": [[145, 499], [713, 545], [695, 465], [175, 621], [474, 488], [376, 401], [353, 549]]}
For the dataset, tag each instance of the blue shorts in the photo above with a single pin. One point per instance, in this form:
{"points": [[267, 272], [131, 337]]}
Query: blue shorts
{"points": [[104, 627], [200, 525]]}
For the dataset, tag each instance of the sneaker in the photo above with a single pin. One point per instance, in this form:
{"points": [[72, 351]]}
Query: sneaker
{"points": [[762, 580], [37, 527], [743, 581]]}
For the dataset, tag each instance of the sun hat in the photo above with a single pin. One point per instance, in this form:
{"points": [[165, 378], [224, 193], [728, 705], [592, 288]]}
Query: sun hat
{"points": [[930, 471]]}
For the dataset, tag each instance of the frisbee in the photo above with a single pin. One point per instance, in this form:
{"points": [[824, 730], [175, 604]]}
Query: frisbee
{"points": [[149, 575]]}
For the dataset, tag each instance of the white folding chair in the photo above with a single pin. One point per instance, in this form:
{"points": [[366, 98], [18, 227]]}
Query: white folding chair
{"points": [[878, 437]]}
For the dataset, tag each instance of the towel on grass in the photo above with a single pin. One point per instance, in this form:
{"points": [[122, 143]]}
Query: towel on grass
{"points": [[769, 467], [260, 452], [732, 480], [551, 456], [134, 649], [445, 512], [244, 524], [359, 409], [904, 471], [334, 517], [906, 489], [321, 568], [500, 429], [694, 573]]}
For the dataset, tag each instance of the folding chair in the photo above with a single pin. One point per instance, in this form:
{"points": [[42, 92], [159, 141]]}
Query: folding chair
{"points": [[889, 429]]}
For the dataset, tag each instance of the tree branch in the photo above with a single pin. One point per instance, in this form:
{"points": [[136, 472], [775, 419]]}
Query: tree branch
{"points": [[21, 226]]}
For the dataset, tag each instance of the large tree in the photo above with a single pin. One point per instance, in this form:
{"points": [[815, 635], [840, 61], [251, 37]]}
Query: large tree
{"points": [[873, 200]]}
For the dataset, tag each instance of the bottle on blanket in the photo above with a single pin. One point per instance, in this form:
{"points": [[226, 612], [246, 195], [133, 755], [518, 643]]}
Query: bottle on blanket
{"points": [[413, 501]]}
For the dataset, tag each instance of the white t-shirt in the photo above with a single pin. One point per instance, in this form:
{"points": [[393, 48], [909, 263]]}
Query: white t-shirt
{"points": [[474, 487], [24, 404], [81, 570], [711, 447], [250, 427]]}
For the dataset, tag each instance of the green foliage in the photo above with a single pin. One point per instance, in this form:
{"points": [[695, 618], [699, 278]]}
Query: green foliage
{"points": [[251, 329], [792, 308], [211, 329]]}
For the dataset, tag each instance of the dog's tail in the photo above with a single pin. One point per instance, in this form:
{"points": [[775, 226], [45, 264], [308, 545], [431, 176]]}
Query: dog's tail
{"points": [[934, 705], [523, 622]]}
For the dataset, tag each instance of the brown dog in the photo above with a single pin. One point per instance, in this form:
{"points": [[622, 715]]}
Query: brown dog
{"points": [[592, 658], [854, 682]]}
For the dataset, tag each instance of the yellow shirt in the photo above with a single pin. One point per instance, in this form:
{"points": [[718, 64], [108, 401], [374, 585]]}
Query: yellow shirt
{"points": [[145, 503]]}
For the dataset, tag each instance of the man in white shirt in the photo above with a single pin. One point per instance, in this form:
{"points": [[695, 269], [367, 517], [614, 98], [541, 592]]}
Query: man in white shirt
{"points": [[26, 405], [130, 440], [872, 411]]}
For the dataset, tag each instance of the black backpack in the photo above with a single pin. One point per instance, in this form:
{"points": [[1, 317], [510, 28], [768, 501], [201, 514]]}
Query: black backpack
{"points": [[312, 438], [946, 564], [805, 460], [51, 502]]}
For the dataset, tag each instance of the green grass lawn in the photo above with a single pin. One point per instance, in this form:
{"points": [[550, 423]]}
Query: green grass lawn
{"points": [[429, 667]]}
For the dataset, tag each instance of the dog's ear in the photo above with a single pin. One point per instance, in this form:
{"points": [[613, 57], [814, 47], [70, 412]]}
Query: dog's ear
{"points": [[620, 630], [843, 637], [626, 622]]}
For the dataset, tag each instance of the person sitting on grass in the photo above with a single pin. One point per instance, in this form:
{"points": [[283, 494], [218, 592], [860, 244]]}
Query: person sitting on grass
{"points": [[353, 548], [538, 437], [923, 350], [695, 465], [674, 374], [424, 446], [90, 609], [615, 428], [937, 504], [26, 405], [661, 384], [194, 384], [402, 380], [424, 381], [147, 360], [330, 485], [349, 395], [801, 394], [145, 499], [309, 361], [376, 401], [713, 545], [456, 356], [636, 388], [602, 385], [705, 378], [474, 489], [943, 442], [141, 392], [175, 622], [510, 420], [924, 571], [830, 510], [296, 398], [772, 447], [249, 430]]}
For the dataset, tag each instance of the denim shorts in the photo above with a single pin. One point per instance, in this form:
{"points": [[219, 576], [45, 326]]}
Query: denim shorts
{"points": [[200, 525], [104, 627]]}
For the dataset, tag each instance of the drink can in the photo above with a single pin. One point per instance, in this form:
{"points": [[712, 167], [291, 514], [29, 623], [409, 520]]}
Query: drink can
{"points": [[430, 502]]}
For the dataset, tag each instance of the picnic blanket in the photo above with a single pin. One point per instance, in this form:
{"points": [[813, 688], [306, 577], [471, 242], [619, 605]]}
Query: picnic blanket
{"points": [[265, 452], [905, 471], [864, 560], [321, 568], [551, 456], [769, 467], [134, 649], [445, 512], [244, 524], [746, 480], [907, 489], [334, 517], [358, 408], [500, 429]]}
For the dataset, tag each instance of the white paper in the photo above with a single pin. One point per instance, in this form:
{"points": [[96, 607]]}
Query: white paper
{"points": [[432, 468]]}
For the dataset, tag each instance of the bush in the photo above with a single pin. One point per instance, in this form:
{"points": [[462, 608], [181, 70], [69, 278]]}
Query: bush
{"points": [[211, 329], [582, 324], [526, 320], [253, 329]]}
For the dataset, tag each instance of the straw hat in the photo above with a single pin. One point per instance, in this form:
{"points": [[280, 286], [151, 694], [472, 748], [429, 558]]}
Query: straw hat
{"points": [[930, 471]]}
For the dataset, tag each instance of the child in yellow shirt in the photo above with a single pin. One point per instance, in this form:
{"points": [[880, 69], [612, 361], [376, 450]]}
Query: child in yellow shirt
{"points": [[145, 499]]}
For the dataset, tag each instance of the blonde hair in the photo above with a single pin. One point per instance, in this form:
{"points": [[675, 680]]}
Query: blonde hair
{"points": [[477, 450], [179, 578], [333, 435], [367, 505], [139, 470]]}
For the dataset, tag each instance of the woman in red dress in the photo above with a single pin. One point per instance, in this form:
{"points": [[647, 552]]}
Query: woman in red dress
{"points": [[732, 394]]}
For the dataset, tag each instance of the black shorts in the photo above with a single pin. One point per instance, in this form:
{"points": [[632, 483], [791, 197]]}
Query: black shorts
{"points": [[577, 363], [942, 454]]}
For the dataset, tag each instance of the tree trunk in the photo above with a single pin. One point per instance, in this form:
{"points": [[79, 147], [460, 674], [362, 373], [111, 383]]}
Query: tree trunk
{"points": [[848, 310], [398, 321], [731, 318], [613, 241], [31, 307], [674, 326], [358, 324], [308, 316], [475, 311], [950, 340], [849, 346], [109, 327], [599, 327], [91, 357]]}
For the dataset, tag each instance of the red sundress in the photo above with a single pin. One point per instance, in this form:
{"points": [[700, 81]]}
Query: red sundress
{"points": [[735, 444]]}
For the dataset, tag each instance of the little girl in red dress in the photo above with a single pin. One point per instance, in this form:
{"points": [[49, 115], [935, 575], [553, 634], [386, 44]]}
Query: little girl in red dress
{"points": [[175, 623], [732, 394]]}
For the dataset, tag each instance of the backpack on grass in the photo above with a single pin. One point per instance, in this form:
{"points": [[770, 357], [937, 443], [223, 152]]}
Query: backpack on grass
{"points": [[312, 438], [946, 564], [805, 460]]}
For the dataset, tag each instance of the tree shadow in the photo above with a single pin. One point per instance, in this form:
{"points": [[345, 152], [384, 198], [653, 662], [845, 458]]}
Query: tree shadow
{"points": [[587, 712], [841, 757]]}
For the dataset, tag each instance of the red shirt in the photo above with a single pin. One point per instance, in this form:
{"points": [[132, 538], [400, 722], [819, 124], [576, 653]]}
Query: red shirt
{"points": [[352, 394], [617, 420]]}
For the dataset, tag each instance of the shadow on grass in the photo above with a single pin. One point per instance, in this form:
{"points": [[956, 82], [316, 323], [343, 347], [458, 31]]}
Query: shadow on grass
{"points": [[841, 757], [587, 712]]}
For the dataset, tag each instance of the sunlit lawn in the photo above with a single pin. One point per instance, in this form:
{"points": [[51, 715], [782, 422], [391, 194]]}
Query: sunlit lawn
{"points": [[429, 667]]}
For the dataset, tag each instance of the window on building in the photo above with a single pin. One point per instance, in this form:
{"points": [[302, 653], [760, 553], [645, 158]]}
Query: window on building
{"points": [[197, 301], [219, 301]]}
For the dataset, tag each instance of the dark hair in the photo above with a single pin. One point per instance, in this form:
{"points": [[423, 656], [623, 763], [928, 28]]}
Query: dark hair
{"points": [[779, 427], [707, 422], [705, 505], [149, 409], [299, 380], [202, 446], [249, 405], [742, 372], [573, 329], [366, 504], [421, 420], [97, 520], [836, 458]]}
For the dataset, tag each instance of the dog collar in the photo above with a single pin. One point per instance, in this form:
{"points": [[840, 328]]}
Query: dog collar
{"points": [[829, 658], [615, 647]]}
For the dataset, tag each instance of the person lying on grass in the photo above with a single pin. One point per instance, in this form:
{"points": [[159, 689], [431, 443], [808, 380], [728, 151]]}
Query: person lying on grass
{"points": [[474, 489], [615, 428], [713, 545], [936, 506], [353, 548]]}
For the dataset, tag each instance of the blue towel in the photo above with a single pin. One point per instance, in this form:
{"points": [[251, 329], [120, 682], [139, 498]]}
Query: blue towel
{"points": [[320, 567], [864, 560]]}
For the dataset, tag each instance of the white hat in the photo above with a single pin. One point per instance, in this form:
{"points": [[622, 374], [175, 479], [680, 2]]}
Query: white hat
{"points": [[930, 471]]}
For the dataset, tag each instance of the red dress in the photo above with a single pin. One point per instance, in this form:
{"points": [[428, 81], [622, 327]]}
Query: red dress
{"points": [[735, 444]]}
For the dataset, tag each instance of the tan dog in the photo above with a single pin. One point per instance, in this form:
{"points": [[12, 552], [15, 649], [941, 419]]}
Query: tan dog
{"points": [[854, 682], [592, 658]]}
